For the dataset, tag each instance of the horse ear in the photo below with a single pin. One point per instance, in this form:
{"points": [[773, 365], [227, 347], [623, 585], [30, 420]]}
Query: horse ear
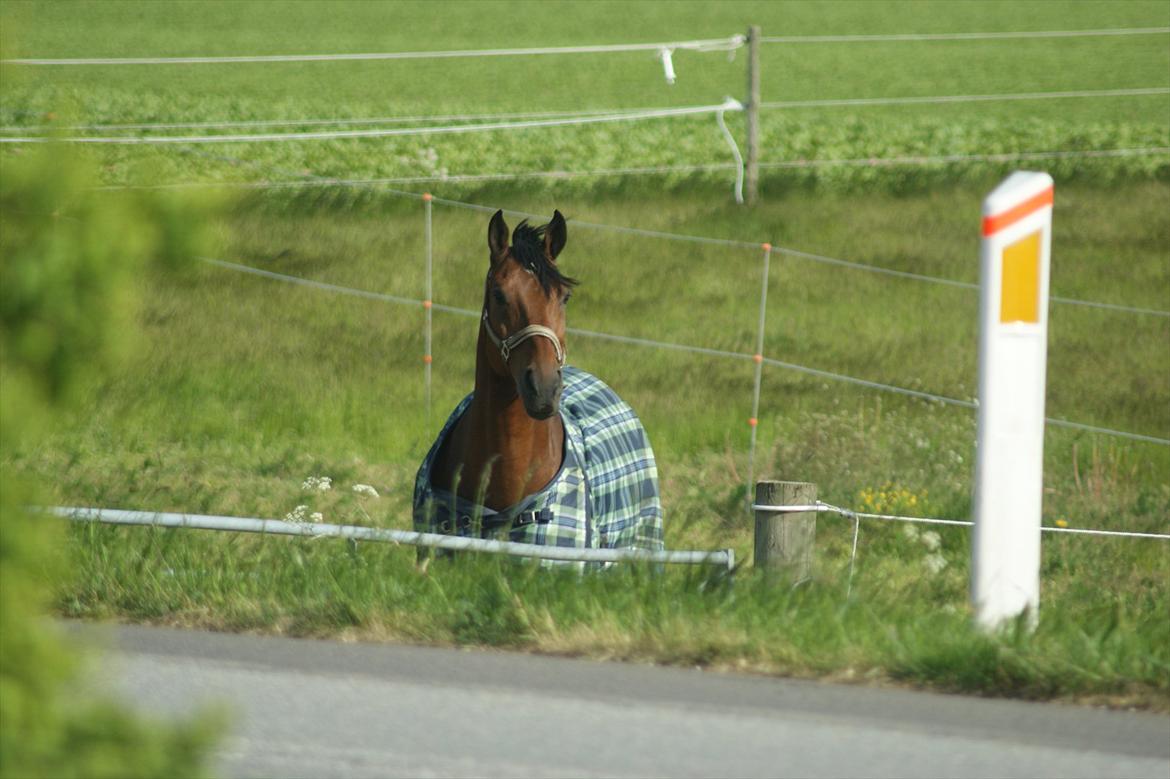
{"points": [[555, 236], [498, 236]]}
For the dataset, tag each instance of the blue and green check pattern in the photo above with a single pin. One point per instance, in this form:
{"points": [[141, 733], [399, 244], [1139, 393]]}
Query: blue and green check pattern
{"points": [[604, 496]]}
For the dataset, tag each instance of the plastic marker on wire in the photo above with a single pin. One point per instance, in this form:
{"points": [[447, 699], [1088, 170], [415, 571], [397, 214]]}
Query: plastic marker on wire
{"points": [[1013, 350], [731, 104], [665, 55]]}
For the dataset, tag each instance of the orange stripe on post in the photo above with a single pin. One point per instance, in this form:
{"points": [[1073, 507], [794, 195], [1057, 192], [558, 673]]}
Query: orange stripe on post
{"points": [[996, 222]]}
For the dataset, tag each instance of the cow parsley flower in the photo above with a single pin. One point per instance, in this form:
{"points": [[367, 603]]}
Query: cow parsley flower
{"points": [[931, 540], [317, 484], [297, 515], [365, 489], [316, 517], [935, 562]]}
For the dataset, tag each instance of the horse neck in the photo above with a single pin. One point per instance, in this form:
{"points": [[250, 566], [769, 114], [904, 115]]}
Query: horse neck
{"points": [[523, 453]]}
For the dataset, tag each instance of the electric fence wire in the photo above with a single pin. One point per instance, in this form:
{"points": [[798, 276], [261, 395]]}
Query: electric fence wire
{"points": [[656, 344]]}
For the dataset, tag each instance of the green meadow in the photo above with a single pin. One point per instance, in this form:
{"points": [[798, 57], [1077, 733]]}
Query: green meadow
{"points": [[239, 387]]}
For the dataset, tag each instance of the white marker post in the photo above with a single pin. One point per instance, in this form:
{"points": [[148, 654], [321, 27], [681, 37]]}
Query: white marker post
{"points": [[1013, 351]]}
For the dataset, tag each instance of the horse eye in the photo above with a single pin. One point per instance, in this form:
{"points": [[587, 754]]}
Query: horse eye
{"points": [[499, 297], [566, 298]]}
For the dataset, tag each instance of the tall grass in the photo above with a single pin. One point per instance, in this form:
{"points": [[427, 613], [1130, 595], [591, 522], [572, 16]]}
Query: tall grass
{"points": [[895, 627]]}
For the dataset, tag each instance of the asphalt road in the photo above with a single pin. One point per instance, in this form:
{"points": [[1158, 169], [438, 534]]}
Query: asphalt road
{"points": [[316, 709]]}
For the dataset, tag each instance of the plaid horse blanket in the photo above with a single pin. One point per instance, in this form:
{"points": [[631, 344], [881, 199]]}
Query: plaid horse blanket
{"points": [[604, 496]]}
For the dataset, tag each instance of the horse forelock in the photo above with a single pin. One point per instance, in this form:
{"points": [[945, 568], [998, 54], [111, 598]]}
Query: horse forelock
{"points": [[528, 250]]}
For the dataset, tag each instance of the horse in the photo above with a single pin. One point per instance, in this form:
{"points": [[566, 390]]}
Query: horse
{"points": [[540, 452]]}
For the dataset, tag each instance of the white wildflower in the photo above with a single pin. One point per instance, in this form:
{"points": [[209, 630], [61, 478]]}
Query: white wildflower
{"points": [[365, 489], [935, 562], [297, 514], [931, 540], [317, 484], [317, 516], [910, 532]]}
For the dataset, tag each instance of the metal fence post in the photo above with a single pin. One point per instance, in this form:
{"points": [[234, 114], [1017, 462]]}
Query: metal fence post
{"points": [[784, 541], [758, 358], [752, 171], [427, 303]]}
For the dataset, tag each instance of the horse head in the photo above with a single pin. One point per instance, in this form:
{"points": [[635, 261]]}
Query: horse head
{"points": [[524, 310]]}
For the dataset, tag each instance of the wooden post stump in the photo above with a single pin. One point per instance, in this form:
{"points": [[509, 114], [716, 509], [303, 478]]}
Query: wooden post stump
{"points": [[784, 541]]}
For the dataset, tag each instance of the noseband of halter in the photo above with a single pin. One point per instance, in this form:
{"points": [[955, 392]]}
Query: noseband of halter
{"points": [[509, 344]]}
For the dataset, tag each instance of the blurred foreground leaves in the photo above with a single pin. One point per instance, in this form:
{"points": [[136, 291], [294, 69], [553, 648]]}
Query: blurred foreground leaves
{"points": [[70, 259]]}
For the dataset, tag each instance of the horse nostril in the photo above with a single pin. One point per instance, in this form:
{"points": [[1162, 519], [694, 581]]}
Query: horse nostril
{"points": [[530, 381]]}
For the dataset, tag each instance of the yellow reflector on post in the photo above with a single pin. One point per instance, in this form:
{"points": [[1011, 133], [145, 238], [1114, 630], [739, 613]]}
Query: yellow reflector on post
{"points": [[1020, 287]]}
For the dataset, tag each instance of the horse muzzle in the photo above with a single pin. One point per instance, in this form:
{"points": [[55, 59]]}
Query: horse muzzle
{"points": [[541, 394]]}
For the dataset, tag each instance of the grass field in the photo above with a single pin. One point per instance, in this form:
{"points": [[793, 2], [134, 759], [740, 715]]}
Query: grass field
{"points": [[510, 85], [242, 387]]}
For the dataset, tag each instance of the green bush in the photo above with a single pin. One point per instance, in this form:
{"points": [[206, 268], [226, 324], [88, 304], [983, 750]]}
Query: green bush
{"points": [[68, 269]]}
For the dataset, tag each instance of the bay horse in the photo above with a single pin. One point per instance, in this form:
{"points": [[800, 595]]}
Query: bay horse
{"points": [[540, 452]]}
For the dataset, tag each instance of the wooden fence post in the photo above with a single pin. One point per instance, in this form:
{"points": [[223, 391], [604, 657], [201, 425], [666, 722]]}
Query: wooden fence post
{"points": [[752, 165], [784, 541]]}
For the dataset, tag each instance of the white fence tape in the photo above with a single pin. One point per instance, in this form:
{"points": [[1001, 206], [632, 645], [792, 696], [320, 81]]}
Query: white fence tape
{"points": [[941, 159], [460, 178], [132, 140], [794, 253], [711, 44], [938, 99], [320, 122], [472, 122], [608, 227], [475, 118], [320, 181], [965, 36], [820, 258], [729, 44]]}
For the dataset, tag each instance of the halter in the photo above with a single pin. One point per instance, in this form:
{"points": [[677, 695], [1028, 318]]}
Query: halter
{"points": [[507, 345]]}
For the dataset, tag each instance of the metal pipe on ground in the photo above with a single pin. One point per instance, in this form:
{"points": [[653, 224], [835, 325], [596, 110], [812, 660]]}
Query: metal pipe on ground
{"points": [[721, 557]]}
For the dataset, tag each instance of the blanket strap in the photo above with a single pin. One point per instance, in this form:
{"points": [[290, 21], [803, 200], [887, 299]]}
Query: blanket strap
{"points": [[461, 524]]}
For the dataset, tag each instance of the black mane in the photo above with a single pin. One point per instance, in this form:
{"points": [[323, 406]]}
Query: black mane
{"points": [[528, 250]]}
